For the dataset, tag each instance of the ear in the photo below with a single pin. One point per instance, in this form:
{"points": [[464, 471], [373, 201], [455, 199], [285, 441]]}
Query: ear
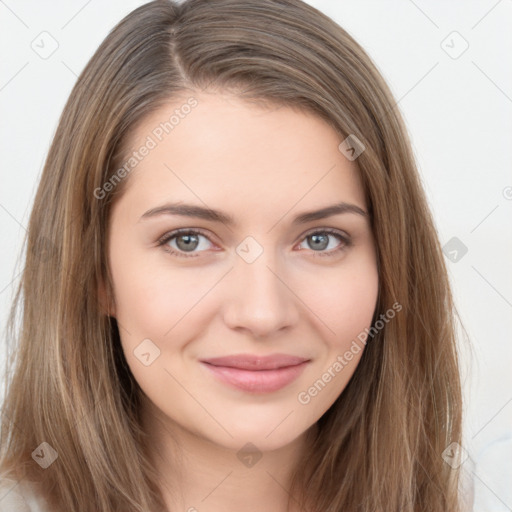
{"points": [[107, 306]]}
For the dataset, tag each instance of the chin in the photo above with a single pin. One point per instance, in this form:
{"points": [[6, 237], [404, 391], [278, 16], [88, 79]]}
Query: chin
{"points": [[266, 434]]}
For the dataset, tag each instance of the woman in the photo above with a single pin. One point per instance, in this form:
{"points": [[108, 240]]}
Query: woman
{"points": [[234, 297]]}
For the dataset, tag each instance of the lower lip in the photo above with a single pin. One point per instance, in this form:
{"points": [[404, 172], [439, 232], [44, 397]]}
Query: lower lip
{"points": [[257, 381]]}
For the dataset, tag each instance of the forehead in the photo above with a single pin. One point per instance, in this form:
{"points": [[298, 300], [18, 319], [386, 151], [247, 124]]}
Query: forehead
{"points": [[224, 151]]}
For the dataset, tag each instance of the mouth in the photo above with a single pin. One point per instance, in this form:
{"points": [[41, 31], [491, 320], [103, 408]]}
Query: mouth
{"points": [[256, 374]]}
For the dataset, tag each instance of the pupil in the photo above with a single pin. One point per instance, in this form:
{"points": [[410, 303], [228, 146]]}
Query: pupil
{"points": [[319, 241], [190, 240]]}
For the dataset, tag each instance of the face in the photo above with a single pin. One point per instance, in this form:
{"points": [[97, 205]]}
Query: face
{"points": [[238, 306]]}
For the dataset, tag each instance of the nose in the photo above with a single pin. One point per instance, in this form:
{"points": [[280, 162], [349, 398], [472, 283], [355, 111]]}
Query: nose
{"points": [[260, 302]]}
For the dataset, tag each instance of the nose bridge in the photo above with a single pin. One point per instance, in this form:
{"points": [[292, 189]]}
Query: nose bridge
{"points": [[260, 301]]}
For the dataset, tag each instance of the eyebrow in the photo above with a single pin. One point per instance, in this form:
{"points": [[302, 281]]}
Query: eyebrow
{"points": [[189, 210]]}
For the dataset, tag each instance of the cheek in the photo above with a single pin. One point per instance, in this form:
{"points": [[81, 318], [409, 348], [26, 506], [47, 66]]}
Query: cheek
{"points": [[344, 299], [347, 309], [150, 298], [144, 305], [357, 297]]}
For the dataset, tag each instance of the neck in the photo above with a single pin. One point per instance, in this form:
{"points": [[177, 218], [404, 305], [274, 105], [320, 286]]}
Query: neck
{"points": [[198, 475]]}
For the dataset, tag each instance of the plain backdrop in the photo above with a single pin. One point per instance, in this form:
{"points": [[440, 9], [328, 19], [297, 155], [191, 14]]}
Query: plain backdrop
{"points": [[448, 65]]}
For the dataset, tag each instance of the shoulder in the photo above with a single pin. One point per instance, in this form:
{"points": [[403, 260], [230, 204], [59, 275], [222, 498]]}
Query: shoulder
{"points": [[20, 496]]}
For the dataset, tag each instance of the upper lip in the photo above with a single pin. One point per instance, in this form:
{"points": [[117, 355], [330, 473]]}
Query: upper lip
{"points": [[254, 362]]}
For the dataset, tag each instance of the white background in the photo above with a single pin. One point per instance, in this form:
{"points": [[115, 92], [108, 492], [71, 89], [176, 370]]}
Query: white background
{"points": [[459, 115]]}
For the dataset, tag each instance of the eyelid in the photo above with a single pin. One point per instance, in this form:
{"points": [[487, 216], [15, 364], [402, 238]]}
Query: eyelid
{"points": [[179, 231], [331, 231]]}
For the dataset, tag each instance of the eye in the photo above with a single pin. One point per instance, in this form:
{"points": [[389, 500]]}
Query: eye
{"points": [[320, 240], [189, 243], [184, 241]]}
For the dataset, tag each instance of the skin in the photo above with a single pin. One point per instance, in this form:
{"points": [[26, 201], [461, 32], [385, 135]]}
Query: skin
{"points": [[263, 166]]}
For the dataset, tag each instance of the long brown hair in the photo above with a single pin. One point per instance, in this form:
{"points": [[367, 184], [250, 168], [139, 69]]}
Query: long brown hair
{"points": [[379, 446]]}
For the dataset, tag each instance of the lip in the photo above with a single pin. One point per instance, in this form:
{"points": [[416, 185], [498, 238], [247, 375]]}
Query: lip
{"points": [[256, 374], [255, 362]]}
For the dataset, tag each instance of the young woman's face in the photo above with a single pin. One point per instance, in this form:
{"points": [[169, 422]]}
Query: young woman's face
{"points": [[254, 273]]}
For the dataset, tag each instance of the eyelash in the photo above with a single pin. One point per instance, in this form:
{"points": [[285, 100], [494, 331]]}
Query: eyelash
{"points": [[347, 242]]}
